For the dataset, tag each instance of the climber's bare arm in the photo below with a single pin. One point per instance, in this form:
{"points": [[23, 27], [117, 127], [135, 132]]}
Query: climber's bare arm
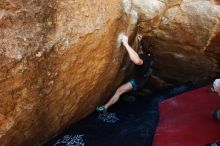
{"points": [[132, 54]]}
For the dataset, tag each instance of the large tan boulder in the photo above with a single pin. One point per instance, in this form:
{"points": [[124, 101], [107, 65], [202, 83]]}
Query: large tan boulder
{"points": [[59, 57], [185, 35], [58, 61]]}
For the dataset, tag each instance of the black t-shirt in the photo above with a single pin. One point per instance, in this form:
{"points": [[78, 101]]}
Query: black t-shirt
{"points": [[142, 72]]}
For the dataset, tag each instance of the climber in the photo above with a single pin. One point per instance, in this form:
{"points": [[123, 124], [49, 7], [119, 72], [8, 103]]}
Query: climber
{"points": [[143, 68]]}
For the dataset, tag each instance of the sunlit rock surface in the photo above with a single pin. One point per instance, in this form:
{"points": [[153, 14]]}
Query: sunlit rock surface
{"points": [[185, 35], [58, 61]]}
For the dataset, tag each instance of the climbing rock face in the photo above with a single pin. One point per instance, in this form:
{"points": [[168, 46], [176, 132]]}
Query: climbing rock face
{"points": [[59, 57], [58, 61], [185, 37]]}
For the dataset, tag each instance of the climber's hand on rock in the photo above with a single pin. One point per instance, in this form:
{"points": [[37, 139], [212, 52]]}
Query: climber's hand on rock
{"points": [[125, 40]]}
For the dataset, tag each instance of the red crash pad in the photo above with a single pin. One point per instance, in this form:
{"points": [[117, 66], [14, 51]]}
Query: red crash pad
{"points": [[186, 120]]}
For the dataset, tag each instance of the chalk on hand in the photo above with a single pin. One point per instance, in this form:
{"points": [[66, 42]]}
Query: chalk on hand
{"points": [[119, 40]]}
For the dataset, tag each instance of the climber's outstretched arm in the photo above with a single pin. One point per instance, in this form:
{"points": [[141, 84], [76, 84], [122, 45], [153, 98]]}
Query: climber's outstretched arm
{"points": [[132, 54]]}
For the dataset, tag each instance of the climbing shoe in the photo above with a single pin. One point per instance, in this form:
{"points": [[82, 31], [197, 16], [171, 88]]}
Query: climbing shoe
{"points": [[101, 108]]}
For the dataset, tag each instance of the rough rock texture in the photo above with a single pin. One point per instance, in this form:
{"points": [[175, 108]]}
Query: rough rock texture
{"points": [[59, 57], [58, 61], [185, 35]]}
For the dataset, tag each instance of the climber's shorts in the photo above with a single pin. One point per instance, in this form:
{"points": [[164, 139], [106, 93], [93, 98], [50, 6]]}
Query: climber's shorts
{"points": [[134, 84]]}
